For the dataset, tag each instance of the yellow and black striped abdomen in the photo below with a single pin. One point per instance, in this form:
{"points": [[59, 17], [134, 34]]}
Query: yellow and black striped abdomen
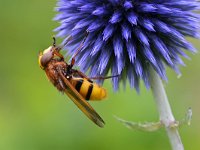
{"points": [[89, 90]]}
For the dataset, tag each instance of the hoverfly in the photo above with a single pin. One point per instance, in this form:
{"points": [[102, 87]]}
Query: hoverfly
{"points": [[76, 85]]}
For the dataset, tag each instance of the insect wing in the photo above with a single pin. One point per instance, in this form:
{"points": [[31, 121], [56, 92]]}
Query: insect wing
{"points": [[81, 103]]}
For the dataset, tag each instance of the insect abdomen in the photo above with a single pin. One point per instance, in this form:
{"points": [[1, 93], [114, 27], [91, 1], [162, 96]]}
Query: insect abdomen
{"points": [[89, 90]]}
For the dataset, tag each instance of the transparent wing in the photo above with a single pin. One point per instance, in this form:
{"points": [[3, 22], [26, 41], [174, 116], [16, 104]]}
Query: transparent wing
{"points": [[81, 103]]}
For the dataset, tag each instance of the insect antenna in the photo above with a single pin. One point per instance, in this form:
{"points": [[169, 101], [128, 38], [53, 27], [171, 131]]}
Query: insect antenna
{"points": [[54, 41]]}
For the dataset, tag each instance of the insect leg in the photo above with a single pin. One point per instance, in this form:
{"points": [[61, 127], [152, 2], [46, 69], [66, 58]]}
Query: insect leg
{"points": [[78, 50], [94, 78], [59, 55], [82, 75], [103, 78], [69, 38], [56, 49]]}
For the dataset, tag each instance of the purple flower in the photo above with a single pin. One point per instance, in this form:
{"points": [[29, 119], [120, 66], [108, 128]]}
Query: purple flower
{"points": [[129, 36]]}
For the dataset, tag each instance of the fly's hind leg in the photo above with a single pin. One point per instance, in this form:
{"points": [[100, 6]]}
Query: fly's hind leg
{"points": [[103, 78], [82, 75], [94, 78]]}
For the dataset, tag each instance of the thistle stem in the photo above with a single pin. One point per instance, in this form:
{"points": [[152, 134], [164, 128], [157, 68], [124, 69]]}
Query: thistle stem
{"points": [[163, 106]]}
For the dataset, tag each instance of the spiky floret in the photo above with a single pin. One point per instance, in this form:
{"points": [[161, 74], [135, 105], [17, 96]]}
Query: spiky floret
{"points": [[129, 36]]}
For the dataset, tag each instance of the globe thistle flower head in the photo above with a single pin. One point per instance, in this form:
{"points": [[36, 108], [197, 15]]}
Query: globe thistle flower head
{"points": [[128, 36]]}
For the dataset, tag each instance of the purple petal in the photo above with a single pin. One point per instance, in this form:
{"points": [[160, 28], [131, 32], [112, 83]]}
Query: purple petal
{"points": [[116, 17], [126, 31], [118, 46], [108, 31], [131, 49], [132, 18]]}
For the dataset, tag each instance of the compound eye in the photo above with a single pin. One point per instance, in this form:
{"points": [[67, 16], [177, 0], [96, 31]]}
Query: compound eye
{"points": [[47, 56], [48, 50]]}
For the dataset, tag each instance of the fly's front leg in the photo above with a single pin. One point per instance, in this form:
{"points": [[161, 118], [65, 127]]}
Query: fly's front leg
{"points": [[56, 49], [78, 50], [59, 55]]}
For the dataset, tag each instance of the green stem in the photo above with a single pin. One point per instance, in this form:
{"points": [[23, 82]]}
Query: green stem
{"points": [[164, 109]]}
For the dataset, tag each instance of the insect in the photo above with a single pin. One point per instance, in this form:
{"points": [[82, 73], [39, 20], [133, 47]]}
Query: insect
{"points": [[76, 85]]}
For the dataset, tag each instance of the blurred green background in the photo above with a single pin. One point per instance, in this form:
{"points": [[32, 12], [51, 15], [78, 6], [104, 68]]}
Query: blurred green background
{"points": [[35, 116]]}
